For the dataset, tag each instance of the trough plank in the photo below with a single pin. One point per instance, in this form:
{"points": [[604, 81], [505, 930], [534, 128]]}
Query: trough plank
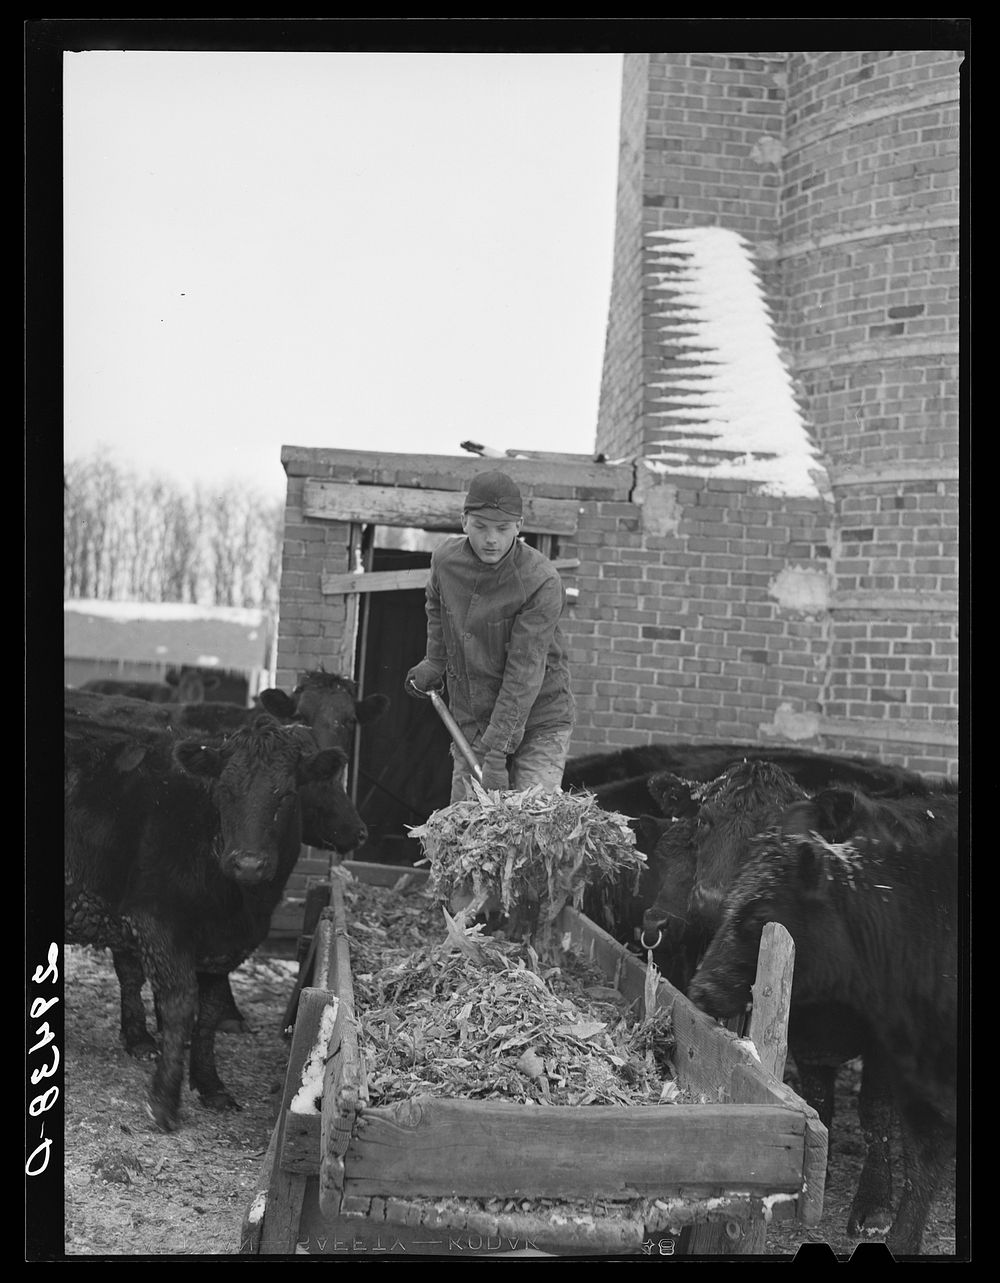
{"points": [[283, 1213], [484, 1148], [735, 1236], [299, 1149], [287, 1188], [344, 1087], [772, 994], [409, 1226]]}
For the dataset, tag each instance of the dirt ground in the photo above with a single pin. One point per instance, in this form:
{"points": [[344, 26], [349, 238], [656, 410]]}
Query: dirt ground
{"points": [[133, 1191]]}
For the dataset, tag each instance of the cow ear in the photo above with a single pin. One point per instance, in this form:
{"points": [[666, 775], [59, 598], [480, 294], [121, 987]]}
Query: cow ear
{"points": [[670, 793], [197, 758], [834, 813], [811, 870], [277, 702], [366, 710], [323, 765]]}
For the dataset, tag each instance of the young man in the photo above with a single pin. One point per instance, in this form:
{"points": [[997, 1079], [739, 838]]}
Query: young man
{"points": [[493, 610]]}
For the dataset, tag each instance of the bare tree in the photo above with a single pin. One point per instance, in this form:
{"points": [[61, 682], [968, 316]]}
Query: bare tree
{"points": [[147, 540]]}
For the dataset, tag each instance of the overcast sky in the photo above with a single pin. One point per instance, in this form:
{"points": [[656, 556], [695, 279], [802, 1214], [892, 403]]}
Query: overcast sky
{"points": [[392, 252]]}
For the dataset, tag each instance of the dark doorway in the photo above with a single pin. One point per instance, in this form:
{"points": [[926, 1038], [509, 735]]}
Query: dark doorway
{"points": [[403, 770]]}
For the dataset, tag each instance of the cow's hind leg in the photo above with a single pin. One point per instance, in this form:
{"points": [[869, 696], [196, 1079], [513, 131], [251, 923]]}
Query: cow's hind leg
{"points": [[928, 1147], [135, 1036], [214, 996], [871, 1208]]}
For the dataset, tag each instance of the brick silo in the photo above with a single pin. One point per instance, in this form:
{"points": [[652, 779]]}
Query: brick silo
{"points": [[835, 175]]}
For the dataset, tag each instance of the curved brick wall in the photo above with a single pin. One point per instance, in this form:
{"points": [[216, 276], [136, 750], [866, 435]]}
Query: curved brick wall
{"points": [[869, 246], [623, 374], [841, 171]]}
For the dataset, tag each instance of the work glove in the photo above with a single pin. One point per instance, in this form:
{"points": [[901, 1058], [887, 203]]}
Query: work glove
{"points": [[494, 766], [424, 676]]}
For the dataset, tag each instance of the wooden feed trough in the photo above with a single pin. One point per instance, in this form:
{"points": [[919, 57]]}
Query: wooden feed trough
{"points": [[408, 1178]]}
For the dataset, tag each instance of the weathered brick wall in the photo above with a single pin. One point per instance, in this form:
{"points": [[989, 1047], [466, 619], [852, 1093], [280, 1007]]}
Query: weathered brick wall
{"points": [[841, 171], [713, 142], [870, 222], [311, 627], [312, 633], [619, 432], [678, 632]]}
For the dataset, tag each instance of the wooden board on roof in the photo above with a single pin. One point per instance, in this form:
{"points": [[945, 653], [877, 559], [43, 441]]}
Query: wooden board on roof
{"points": [[424, 509], [555, 476]]}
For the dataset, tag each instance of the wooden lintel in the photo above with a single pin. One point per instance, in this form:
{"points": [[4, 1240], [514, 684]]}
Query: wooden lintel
{"points": [[396, 580], [423, 509], [595, 480]]}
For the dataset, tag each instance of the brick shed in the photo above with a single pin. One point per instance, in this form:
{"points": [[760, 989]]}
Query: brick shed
{"points": [[767, 550]]}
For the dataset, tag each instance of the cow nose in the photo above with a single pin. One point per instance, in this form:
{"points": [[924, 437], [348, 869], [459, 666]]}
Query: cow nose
{"points": [[249, 867], [354, 838]]}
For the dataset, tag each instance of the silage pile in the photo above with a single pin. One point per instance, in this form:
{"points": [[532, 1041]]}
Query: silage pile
{"points": [[531, 852]]}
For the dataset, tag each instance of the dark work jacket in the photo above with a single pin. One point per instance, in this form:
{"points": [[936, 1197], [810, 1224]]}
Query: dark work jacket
{"points": [[494, 632]]}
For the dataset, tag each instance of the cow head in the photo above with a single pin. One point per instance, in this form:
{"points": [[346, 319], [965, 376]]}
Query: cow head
{"points": [[256, 776], [329, 818], [328, 705], [746, 798]]}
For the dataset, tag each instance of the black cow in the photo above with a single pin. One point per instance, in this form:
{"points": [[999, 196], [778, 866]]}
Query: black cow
{"points": [[328, 704], [325, 702], [726, 814], [329, 819], [868, 890], [698, 859], [619, 779], [182, 868], [329, 712]]}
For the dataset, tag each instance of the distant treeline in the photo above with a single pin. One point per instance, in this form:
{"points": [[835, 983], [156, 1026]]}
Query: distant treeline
{"points": [[128, 538]]}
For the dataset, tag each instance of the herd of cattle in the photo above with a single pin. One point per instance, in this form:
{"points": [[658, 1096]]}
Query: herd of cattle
{"points": [[184, 820]]}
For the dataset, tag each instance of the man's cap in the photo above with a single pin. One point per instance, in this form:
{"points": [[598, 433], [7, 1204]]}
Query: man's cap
{"points": [[494, 496]]}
